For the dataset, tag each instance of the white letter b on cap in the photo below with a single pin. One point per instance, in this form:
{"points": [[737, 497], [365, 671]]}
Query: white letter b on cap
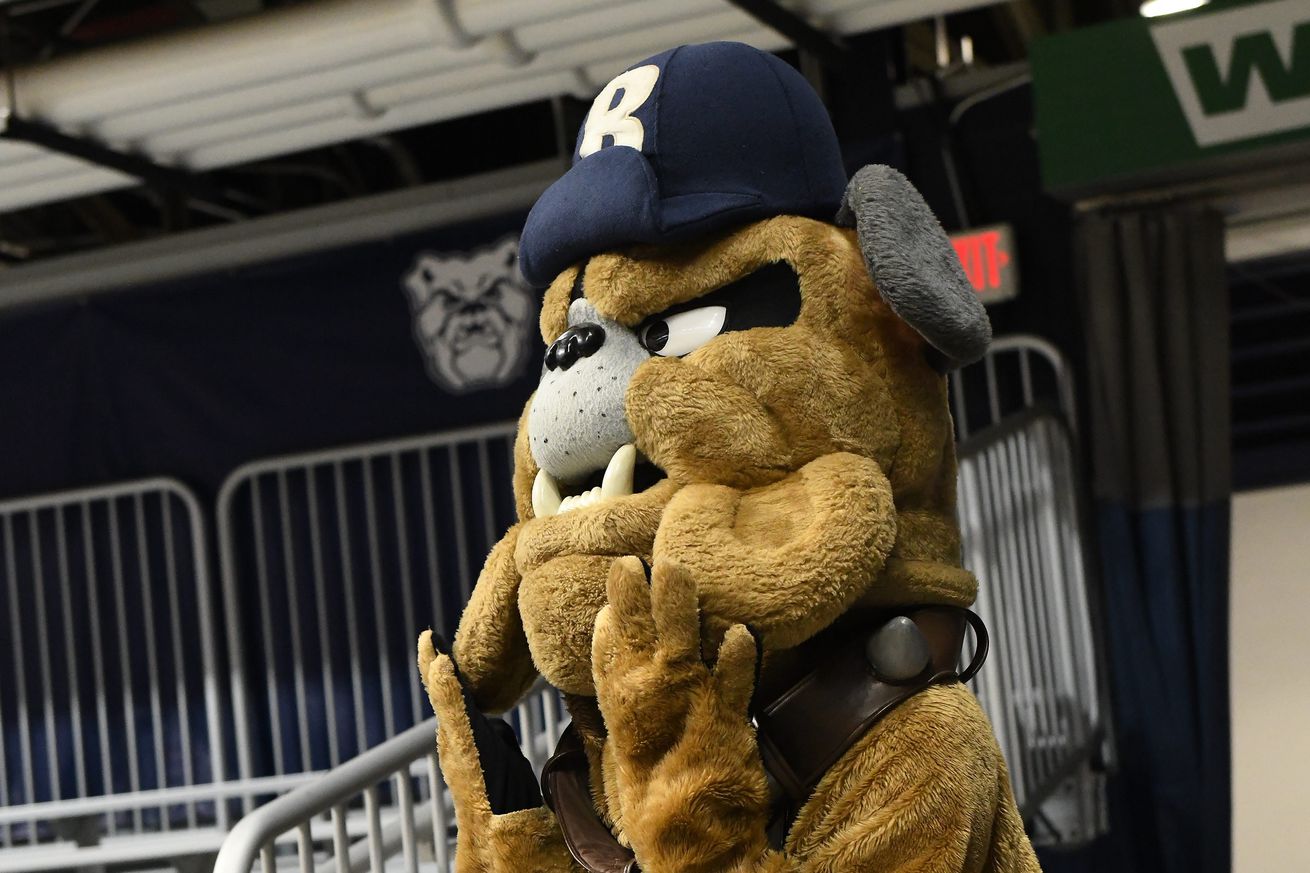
{"points": [[618, 122]]}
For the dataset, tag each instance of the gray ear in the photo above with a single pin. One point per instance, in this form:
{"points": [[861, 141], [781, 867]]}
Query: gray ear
{"points": [[913, 264]]}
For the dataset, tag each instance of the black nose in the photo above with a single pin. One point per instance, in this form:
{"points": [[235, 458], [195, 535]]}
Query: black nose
{"points": [[579, 341]]}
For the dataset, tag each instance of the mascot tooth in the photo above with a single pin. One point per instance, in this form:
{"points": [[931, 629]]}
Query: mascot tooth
{"points": [[617, 482], [736, 554], [545, 495], [618, 473]]}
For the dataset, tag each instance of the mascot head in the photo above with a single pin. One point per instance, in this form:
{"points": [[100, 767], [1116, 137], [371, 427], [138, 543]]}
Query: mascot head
{"points": [[744, 375]]}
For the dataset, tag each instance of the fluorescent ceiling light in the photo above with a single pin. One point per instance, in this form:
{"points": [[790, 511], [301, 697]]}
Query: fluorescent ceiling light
{"points": [[1156, 8]]}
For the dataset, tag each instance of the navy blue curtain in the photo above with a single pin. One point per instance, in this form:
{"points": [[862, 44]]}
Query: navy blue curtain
{"points": [[192, 377], [1152, 290]]}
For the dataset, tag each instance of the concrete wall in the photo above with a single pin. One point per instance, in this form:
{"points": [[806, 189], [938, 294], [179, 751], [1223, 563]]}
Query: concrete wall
{"points": [[1270, 663]]}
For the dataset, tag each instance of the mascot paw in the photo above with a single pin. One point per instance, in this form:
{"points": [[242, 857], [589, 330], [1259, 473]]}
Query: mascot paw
{"points": [[646, 660], [505, 829], [687, 766]]}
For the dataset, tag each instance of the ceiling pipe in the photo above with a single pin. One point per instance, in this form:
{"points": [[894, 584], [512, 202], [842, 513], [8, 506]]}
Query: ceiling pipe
{"points": [[293, 40], [196, 188], [80, 89], [537, 83], [78, 183]]}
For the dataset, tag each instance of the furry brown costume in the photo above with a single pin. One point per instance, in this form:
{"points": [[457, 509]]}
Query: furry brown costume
{"points": [[808, 473]]}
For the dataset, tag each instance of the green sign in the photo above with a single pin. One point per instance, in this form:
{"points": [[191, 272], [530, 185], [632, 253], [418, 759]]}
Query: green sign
{"points": [[1162, 98]]}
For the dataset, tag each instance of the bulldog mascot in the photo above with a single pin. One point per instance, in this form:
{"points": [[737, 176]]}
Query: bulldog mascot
{"points": [[736, 555]]}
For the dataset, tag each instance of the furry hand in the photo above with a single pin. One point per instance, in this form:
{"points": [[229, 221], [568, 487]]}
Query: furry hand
{"points": [[646, 663], [526, 841], [691, 785]]}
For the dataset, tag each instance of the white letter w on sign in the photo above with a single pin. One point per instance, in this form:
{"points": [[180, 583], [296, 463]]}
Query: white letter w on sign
{"points": [[1240, 73]]}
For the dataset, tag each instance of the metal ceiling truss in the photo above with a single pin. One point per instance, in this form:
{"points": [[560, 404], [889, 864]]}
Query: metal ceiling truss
{"points": [[831, 50], [199, 191]]}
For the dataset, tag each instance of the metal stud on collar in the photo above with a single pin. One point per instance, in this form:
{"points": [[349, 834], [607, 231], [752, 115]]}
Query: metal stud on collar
{"points": [[897, 651]]}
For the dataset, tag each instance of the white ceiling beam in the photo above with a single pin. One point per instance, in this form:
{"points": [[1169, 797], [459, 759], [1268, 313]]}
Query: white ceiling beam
{"points": [[328, 71]]}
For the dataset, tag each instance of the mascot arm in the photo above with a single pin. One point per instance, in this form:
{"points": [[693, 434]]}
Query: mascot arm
{"points": [[490, 646], [524, 841], [790, 557], [920, 792]]}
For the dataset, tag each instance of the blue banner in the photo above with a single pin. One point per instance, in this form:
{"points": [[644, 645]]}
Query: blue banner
{"points": [[191, 378]]}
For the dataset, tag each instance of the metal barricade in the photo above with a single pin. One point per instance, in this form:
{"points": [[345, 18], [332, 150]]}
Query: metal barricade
{"points": [[109, 699], [1022, 524], [1018, 372], [386, 805], [1019, 523], [330, 563]]}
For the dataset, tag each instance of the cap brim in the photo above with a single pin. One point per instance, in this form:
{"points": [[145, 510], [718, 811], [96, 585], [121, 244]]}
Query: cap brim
{"points": [[610, 200]]}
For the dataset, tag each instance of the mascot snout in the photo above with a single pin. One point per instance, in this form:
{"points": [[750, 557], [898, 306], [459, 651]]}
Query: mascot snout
{"points": [[576, 422]]}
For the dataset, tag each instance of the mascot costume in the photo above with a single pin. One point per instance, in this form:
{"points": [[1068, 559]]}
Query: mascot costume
{"points": [[736, 554]]}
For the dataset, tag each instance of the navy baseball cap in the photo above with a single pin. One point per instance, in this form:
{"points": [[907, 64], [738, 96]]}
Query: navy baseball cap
{"points": [[693, 140]]}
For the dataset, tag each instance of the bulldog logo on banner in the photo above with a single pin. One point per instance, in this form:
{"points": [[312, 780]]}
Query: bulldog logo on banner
{"points": [[472, 314]]}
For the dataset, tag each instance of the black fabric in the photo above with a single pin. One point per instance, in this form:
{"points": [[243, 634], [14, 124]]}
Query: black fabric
{"points": [[506, 772], [767, 297], [1152, 289], [511, 784]]}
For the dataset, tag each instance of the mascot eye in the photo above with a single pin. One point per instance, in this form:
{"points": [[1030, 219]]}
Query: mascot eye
{"points": [[683, 332]]}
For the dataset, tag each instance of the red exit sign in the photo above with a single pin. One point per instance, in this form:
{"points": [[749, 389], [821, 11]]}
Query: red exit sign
{"points": [[987, 254]]}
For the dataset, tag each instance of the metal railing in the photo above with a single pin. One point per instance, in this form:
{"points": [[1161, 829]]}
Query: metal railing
{"points": [[109, 699], [1024, 534], [112, 696], [389, 803], [1018, 372], [330, 563], [1019, 513]]}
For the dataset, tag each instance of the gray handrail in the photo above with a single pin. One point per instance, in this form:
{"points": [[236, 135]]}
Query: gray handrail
{"points": [[391, 839], [292, 810], [98, 804]]}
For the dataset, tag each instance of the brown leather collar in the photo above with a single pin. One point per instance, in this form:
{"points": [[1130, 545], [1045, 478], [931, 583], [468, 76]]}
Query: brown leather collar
{"points": [[566, 787], [808, 723], [807, 717]]}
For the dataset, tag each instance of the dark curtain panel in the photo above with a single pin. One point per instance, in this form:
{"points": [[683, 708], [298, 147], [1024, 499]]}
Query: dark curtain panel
{"points": [[1155, 312]]}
